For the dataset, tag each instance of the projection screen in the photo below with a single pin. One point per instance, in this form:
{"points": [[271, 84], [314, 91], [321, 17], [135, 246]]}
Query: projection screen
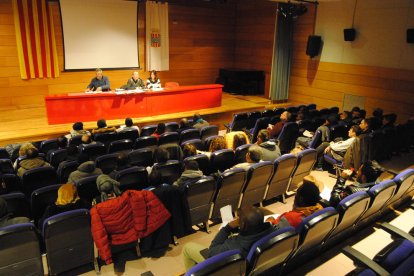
{"points": [[99, 34]]}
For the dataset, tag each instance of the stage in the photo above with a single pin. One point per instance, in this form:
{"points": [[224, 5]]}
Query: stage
{"points": [[30, 123]]}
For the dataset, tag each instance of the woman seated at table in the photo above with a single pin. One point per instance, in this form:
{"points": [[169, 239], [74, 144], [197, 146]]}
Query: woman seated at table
{"points": [[153, 81]]}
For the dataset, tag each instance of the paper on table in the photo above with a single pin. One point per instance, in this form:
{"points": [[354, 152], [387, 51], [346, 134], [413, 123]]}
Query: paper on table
{"points": [[226, 215]]}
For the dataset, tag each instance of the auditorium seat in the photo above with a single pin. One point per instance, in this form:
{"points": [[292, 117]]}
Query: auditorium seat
{"points": [[21, 158], [196, 142], [6, 166], [269, 113], [134, 178], [148, 130], [175, 152], [132, 135], [17, 204], [93, 150], [10, 183], [288, 136], [307, 124], [120, 146], [141, 157], [240, 153], [75, 140], [305, 163], [279, 110], [318, 121], [311, 106], [227, 263], [145, 142], [258, 177], [68, 241], [105, 138], [203, 162], [200, 197], [4, 154], [316, 140], [261, 123], [168, 138], [65, 169], [87, 189], [253, 117], [170, 171], [275, 119], [171, 127], [313, 113], [239, 122], [292, 109], [41, 198], [404, 181], [208, 131], [268, 254], [48, 145], [189, 134], [55, 157], [37, 178], [222, 160], [324, 112], [20, 250], [283, 168], [338, 131], [334, 110], [377, 140], [107, 163], [208, 141], [230, 185]]}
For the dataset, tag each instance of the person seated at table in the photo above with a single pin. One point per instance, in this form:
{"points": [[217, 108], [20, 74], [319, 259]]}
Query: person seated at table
{"points": [[159, 130], [99, 83], [135, 82], [129, 125], [153, 81], [102, 127]]}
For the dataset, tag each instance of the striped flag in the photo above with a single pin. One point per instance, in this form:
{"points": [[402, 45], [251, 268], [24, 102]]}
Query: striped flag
{"points": [[36, 45]]}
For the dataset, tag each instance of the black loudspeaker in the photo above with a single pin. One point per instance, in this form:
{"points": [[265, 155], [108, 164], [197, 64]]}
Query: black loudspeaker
{"points": [[313, 46], [349, 34], [410, 35]]}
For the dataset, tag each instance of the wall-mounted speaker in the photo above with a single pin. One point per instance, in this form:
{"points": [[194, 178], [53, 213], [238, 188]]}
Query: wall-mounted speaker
{"points": [[349, 34], [410, 35], [314, 45]]}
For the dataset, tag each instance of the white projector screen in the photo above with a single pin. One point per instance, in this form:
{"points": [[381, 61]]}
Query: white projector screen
{"points": [[100, 34]]}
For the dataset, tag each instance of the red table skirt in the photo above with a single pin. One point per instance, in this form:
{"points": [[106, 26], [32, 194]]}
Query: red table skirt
{"points": [[75, 107]]}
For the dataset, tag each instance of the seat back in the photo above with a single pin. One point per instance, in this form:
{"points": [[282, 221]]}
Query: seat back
{"points": [[75, 140], [338, 131], [307, 124], [47, 145], [196, 142], [107, 163], [20, 250], [288, 136], [313, 113], [41, 198], [314, 229], [175, 152], [272, 250], [316, 139], [76, 248], [87, 189], [93, 150], [170, 171], [227, 263], [253, 117], [171, 84], [230, 185], [17, 204], [169, 138], [105, 138], [306, 161], [65, 169], [57, 156], [350, 209], [311, 106], [203, 162], [141, 157], [292, 109], [120, 145], [37, 178], [377, 140], [260, 124], [239, 122], [199, 197], [283, 168], [279, 110], [4, 154], [257, 179], [146, 142], [240, 153], [6, 166], [171, 127], [222, 160], [404, 181], [268, 113], [208, 131], [132, 135], [208, 141], [148, 130], [134, 178], [10, 183], [189, 134]]}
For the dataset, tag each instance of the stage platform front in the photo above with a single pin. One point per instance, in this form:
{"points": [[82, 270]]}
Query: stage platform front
{"points": [[30, 123]]}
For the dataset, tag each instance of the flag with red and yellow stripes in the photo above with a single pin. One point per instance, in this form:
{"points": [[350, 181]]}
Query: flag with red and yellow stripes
{"points": [[36, 45]]}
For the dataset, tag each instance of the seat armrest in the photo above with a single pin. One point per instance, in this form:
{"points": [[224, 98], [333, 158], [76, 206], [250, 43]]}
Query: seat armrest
{"points": [[395, 231], [361, 259]]}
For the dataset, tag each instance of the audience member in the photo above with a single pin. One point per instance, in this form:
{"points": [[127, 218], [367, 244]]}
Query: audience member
{"points": [[129, 125], [122, 164], [183, 125], [345, 118], [153, 81], [22, 152], [325, 132], [217, 143], [230, 139], [366, 126], [6, 217], [190, 174], [67, 200], [32, 161], [270, 151], [189, 150], [85, 169], [377, 118], [99, 82], [107, 188], [239, 140], [135, 82], [198, 122], [86, 140], [253, 156], [77, 129], [389, 120], [159, 130], [161, 156], [249, 226], [305, 204], [102, 127], [275, 130]]}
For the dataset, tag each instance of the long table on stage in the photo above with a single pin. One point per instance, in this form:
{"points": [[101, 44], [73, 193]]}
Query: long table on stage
{"points": [[73, 107]]}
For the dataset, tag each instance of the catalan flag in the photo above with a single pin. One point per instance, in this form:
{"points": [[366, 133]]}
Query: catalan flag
{"points": [[35, 39]]}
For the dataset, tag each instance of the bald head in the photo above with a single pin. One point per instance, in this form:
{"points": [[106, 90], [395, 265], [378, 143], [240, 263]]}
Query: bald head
{"points": [[251, 219], [135, 75]]}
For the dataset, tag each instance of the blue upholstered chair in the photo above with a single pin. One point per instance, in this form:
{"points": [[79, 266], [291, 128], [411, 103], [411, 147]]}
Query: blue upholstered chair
{"points": [[305, 163], [258, 177], [283, 168], [208, 131], [107, 163], [120, 145], [222, 160], [238, 123], [134, 178]]}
